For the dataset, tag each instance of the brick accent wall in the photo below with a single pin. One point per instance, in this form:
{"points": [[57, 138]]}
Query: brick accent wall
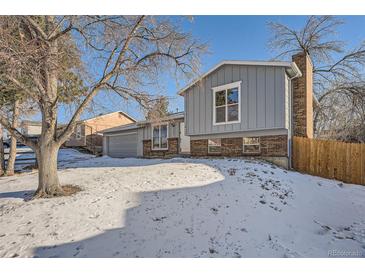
{"points": [[274, 146], [173, 149], [271, 146], [199, 147], [231, 146], [303, 97]]}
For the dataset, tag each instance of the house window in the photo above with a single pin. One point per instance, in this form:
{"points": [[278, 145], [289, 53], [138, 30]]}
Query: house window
{"points": [[214, 146], [159, 137], [78, 132], [226, 104], [251, 145]]}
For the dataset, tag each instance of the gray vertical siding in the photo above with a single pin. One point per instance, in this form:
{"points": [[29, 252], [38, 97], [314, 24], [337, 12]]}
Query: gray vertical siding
{"points": [[145, 132], [140, 142], [252, 97], [263, 99], [270, 97]]}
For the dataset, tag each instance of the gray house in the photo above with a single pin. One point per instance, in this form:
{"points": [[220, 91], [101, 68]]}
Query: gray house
{"points": [[238, 108], [250, 108], [162, 138]]}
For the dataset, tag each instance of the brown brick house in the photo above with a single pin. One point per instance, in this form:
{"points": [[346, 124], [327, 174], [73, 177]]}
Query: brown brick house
{"points": [[88, 133]]}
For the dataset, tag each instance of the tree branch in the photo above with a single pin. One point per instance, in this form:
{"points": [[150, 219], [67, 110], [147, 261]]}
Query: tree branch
{"points": [[36, 27], [16, 133], [21, 86], [71, 125]]}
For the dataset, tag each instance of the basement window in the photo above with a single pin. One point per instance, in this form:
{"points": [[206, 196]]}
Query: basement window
{"points": [[159, 137], [251, 145], [214, 146]]}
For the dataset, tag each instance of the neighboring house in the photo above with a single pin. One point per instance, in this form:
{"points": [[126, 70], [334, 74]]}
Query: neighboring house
{"points": [[238, 108], [88, 133], [31, 128], [161, 138], [245, 108]]}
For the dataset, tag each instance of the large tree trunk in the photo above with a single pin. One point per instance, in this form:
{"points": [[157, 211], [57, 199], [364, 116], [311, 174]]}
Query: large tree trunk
{"points": [[12, 152], [47, 149], [48, 182]]}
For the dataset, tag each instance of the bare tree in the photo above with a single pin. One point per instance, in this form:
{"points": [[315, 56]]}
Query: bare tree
{"points": [[120, 53], [342, 114], [9, 171], [335, 79], [158, 109], [13, 103]]}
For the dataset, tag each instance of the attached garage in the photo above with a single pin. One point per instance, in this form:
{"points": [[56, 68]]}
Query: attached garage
{"points": [[121, 142], [137, 139], [123, 145]]}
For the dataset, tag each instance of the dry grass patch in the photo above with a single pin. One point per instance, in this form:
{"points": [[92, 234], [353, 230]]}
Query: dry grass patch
{"points": [[70, 189]]}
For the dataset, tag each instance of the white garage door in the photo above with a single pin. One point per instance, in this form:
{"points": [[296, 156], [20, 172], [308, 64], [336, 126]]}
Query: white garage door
{"points": [[124, 145]]}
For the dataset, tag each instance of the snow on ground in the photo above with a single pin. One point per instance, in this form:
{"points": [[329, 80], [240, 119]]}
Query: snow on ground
{"points": [[181, 208], [24, 154]]}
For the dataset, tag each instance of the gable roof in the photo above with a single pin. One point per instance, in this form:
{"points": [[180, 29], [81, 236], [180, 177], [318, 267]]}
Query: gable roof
{"points": [[290, 67], [120, 112], [136, 125], [171, 116], [30, 123], [25, 123], [121, 128]]}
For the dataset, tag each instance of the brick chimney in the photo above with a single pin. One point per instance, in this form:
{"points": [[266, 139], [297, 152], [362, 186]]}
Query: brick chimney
{"points": [[303, 97]]}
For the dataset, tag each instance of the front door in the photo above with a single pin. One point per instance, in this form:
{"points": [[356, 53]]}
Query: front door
{"points": [[184, 140]]}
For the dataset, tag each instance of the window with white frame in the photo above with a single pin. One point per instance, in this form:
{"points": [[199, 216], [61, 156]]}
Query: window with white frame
{"points": [[251, 145], [78, 132], [159, 137], [214, 146], [226, 103]]}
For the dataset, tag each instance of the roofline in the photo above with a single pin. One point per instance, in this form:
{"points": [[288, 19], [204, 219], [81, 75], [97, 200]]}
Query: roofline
{"points": [[173, 116], [131, 126], [136, 125], [291, 68], [122, 112]]}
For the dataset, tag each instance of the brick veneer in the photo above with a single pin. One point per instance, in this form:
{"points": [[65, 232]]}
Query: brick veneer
{"points": [[271, 146], [274, 146], [303, 97], [173, 149], [231, 146], [199, 147]]}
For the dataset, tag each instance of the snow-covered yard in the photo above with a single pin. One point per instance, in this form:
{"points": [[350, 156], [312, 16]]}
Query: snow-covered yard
{"points": [[181, 208]]}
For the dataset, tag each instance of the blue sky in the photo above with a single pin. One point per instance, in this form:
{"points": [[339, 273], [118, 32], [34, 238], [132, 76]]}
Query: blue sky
{"points": [[228, 37]]}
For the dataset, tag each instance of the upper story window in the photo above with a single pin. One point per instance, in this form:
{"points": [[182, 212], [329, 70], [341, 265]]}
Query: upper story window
{"points": [[159, 137], [227, 104], [78, 132]]}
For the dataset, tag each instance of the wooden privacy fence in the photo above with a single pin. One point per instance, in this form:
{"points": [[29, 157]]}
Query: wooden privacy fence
{"points": [[330, 159]]}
